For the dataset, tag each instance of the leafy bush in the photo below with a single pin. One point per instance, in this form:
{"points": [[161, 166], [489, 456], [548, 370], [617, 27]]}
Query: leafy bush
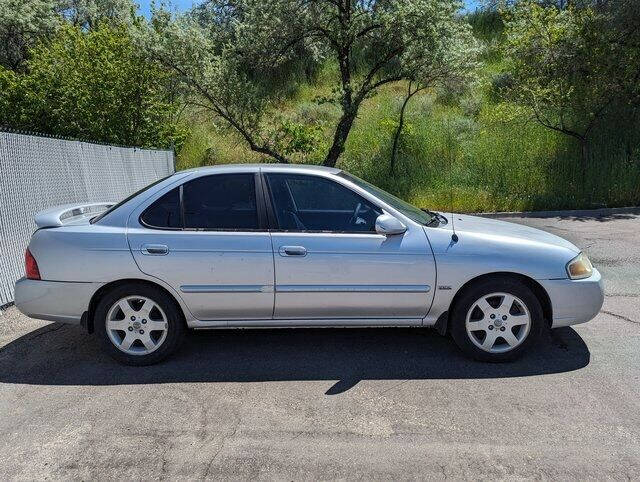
{"points": [[471, 105], [317, 113], [92, 85], [500, 83], [423, 105], [295, 137], [487, 24]]}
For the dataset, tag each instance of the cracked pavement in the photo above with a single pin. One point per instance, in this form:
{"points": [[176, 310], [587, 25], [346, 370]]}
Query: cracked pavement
{"points": [[324, 404]]}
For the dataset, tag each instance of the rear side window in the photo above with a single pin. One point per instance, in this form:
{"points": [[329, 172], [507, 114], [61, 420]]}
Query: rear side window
{"points": [[165, 212], [222, 201]]}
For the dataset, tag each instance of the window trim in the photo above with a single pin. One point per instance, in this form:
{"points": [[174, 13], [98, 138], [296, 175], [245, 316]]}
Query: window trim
{"points": [[266, 199], [274, 225], [263, 222], [181, 201], [260, 208]]}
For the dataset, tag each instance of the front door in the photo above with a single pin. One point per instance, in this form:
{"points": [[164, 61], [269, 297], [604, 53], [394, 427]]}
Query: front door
{"points": [[330, 264], [210, 247]]}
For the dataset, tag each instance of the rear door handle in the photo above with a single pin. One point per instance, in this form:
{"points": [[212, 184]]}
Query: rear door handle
{"points": [[155, 249], [292, 251]]}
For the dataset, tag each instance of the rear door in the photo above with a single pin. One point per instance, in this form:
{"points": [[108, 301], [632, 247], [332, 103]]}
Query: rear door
{"points": [[208, 239], [331, 264]]}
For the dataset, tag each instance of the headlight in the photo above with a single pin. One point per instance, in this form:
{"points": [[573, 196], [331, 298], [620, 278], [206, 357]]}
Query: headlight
{"points": [[579, 267]]}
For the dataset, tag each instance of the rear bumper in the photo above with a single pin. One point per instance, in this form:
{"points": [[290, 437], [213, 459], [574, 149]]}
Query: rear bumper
{"points": [[59, 301], [575, 301]]}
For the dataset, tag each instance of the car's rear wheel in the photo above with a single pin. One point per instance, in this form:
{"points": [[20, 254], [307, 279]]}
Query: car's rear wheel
{"points": [[496, 319], [138, 324]]}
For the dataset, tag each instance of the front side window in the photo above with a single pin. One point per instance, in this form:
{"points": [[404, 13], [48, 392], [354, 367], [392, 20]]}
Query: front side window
{"points": [[410, 211], [312, 203], [221, 201]]}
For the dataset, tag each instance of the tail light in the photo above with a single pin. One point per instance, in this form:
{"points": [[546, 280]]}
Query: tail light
{"points": [[31, 266]]}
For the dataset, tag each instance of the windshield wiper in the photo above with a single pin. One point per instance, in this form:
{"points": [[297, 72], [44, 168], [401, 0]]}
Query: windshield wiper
{"points": [[435, 218]]}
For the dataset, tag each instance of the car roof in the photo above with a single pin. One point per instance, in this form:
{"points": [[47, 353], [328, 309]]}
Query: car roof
{"points": [[293, 168]]}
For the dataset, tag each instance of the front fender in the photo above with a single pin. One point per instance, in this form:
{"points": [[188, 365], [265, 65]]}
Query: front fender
{"points": [[474, 255]]}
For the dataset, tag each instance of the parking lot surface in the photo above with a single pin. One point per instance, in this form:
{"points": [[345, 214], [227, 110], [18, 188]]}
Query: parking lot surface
{"points": [[352, 404]]}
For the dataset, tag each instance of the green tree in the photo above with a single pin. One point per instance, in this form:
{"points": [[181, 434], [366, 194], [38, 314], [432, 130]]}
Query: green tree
{"points": [[22, 24], [449, 60], [92, 85], [571, 66], [226, 59], [89, 14]]}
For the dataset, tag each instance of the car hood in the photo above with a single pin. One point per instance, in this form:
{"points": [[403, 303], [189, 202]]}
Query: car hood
{"points": [[493, 228]]}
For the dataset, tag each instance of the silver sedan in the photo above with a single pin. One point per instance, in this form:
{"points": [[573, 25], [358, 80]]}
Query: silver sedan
{"points": [[296, 246]]}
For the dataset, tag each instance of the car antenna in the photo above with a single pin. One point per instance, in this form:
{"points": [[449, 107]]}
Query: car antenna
{"points": [[454, 236]]}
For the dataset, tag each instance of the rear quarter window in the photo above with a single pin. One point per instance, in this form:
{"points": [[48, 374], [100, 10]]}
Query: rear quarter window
{"points": [[164, 213], [127, 199]]}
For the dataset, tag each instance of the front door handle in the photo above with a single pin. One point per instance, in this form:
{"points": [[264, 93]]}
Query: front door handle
{"points": [[292, 251], [155, 249]]}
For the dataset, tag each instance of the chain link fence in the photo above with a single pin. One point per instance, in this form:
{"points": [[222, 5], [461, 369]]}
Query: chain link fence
{"points": [[40, 172]]}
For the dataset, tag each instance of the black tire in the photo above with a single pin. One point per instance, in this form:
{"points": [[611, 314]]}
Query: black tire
{"points": [[487, 286], [175, 323]]}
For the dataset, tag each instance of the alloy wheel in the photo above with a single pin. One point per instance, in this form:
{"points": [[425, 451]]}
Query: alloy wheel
{"points": [[498, 322], [136, 325]]}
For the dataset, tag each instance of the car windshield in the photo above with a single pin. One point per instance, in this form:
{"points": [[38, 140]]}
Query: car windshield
{"points": [[412, 212], [116, 206]]}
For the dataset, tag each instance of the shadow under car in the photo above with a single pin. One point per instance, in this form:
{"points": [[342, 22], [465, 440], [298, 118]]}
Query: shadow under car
{"points": [[65, 355]]}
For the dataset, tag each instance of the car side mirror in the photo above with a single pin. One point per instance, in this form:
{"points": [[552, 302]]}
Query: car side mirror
{"points": [[387, 225]]}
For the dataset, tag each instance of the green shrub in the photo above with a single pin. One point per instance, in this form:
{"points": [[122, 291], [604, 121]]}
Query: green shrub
{"points": [[314, 113], [92, 85], [471, 105]]}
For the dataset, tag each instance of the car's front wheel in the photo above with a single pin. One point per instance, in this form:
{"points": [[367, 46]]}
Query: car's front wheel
{"points": [[496, 320], [138, 325]]}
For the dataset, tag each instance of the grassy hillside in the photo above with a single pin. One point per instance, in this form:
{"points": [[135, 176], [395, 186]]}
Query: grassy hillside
{"points": [[467, 150]]}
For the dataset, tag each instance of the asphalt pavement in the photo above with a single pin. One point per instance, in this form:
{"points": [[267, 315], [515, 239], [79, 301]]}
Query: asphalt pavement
{"points": [[350, 404]]}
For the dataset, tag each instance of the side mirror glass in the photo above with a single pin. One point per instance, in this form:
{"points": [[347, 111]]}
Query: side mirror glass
{"points": [[387, 225]]}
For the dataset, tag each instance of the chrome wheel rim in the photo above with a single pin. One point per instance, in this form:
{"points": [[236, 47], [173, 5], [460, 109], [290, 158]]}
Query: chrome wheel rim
{"points": [[136, 325], [498, 322]]}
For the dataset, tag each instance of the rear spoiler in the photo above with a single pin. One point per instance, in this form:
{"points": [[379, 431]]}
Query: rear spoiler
{"points": [[69, 213]]}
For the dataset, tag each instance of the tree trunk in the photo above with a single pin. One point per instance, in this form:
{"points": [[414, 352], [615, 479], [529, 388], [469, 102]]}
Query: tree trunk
{"points": [[629, 135], [349, 105], [339, 138], [584, 160], [396, 136]]}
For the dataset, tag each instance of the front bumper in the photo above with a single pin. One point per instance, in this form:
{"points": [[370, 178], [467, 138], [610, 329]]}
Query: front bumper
{"points": [[60, 301], [574, 301]]}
